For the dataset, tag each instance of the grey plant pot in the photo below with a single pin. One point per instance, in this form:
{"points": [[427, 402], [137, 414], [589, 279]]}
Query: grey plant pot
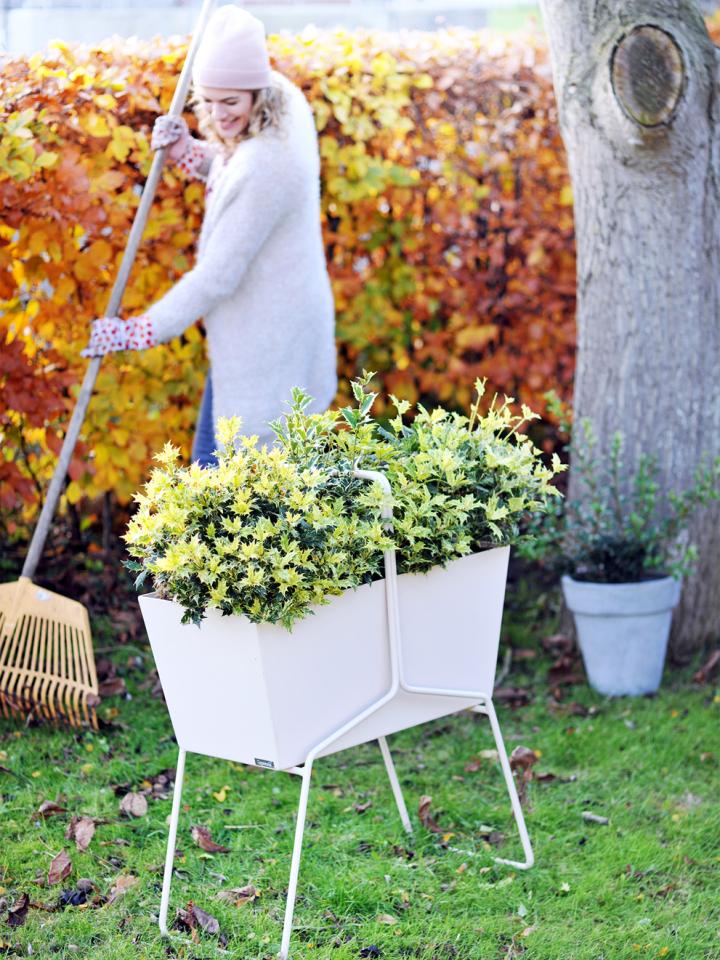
{"points": [[623, 631]]}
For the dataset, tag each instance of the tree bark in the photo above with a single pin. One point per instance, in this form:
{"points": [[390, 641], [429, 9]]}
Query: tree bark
{"points": [[638, 114]]}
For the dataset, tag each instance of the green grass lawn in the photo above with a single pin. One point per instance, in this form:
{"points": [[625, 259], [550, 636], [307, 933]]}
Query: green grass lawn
{"points": [[644, 886]]}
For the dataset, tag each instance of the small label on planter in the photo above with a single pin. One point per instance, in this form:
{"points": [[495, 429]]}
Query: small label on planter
{"points": [[264, 763]]}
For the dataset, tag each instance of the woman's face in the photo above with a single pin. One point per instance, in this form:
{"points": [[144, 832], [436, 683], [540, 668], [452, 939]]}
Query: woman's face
{"points": [[229, 109]]}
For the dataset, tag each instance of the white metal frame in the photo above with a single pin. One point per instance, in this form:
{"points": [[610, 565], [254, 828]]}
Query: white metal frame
{"points": [[304, 770]]}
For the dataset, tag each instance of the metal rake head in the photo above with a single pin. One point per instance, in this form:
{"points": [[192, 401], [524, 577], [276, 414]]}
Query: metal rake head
{"points": [[47, 667]]}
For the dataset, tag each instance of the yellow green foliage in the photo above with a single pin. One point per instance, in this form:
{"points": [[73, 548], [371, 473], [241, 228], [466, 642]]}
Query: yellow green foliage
{"points": [[259, 534], [270, 533]]}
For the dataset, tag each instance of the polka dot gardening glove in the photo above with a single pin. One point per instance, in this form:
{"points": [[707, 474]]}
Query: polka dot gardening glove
{"points": [[191, 155], [111, 335], [168, 131], [194, 160]]}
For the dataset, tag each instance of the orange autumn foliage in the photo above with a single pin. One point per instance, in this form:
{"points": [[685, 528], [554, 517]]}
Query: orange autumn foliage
{"points": [[447, 214]]}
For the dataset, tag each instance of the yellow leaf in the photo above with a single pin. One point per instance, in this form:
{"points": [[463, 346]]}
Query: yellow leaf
{"points": [[110, 180], [536, 256], [122, 142], [46, 159], [477, 337], [74, 492], [64, 288], [221, 795], [95, 124], [37, 242], [105, 100], [566, 196], [100, 253]]}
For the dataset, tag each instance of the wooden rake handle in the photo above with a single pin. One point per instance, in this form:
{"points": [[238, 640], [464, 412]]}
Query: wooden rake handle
{"points": [[148, 195]]}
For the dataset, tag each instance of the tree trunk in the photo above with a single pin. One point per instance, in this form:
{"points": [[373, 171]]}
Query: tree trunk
{"points": [[636, 85]]}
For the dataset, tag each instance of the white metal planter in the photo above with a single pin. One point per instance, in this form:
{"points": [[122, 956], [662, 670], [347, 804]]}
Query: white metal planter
{"points": [[375, 660], [623, 631], [257, 694]]}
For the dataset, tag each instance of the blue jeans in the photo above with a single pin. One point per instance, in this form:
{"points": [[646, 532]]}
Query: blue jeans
{"points": [[204, 444]]}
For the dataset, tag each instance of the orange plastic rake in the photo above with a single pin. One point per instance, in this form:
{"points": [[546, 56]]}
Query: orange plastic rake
{"points": [[47, 667]]}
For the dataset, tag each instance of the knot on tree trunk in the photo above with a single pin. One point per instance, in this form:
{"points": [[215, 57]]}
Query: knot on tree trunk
{"points": [[648, 75]]}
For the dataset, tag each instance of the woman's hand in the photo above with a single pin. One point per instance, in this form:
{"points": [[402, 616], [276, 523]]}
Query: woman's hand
{"points": [[172, 134], [111, 335], [191, 155]]}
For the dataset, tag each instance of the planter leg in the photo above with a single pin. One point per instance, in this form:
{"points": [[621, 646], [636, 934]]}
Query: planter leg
{"points": [[489, 708], [295, 863], [172, 835], [395, 784]]}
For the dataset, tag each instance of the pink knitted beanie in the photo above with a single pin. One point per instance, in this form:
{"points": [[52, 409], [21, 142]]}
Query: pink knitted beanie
{"points": [[232, 52]]}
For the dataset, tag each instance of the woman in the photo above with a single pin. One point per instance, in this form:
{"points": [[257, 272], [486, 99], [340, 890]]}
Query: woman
{"points": [[260, 281]]}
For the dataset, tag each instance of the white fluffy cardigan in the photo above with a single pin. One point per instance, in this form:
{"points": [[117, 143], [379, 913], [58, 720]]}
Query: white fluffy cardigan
{"points": [[260, 281]]}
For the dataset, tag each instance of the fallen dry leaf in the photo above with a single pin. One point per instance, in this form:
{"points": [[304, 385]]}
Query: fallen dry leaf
{"points": [[522, 758], [475, 763], [17, 914], [558, 643], [708, 668], [362, 807], [239, 895], [513, 696], [201, 836], [60, 867], [134, 805], [48, 808], [424, 815], [81, 830], [589, 817], [122, 884], [521, 762], [193, 917], [72, 898], [565, 671], [206, 921], [112, 687], [386, 918], [665, 891]]}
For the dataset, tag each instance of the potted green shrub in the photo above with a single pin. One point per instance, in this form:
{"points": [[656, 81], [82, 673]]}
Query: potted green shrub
{"points": [[622, 550], [268, 569], [275, 637]]}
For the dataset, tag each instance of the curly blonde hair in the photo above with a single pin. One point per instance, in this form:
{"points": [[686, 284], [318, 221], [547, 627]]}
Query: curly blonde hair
{"points": [[268, 109]]}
